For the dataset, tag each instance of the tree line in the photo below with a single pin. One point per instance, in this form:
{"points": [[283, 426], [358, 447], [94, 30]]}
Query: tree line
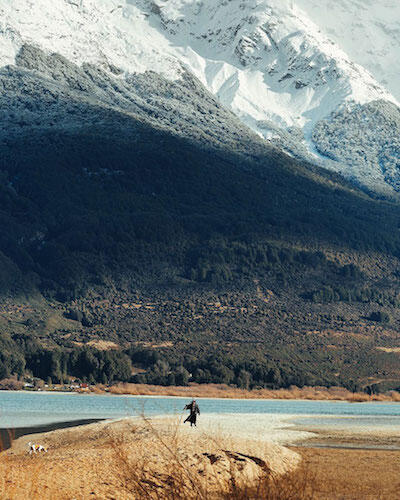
{"points": [[25, 356]]}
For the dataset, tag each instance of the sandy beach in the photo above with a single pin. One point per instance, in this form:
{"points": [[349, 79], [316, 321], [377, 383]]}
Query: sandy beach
{"points": [[7, 436], [154, 458], [373, 440], [117, 459]]}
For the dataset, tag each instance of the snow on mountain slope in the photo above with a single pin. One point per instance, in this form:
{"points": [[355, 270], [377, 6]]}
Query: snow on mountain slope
{"points": [[100, 32], [266, 60], [367, 30]]}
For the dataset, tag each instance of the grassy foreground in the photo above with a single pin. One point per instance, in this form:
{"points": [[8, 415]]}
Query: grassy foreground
{"points": [[147, 459], [161, 459], [225, 391]]}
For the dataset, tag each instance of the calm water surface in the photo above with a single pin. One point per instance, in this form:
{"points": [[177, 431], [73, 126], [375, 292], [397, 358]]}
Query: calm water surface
{"points": [[19, 409]]}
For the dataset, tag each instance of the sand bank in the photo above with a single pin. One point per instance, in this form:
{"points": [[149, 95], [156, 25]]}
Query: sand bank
{"points": [[373, 440], [267, 428], [153, 458], [116, 459], [7, 436], [337, 474]]}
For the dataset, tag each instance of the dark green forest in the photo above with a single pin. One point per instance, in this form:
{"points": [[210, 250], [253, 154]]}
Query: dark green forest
{"points": [[272, 369], [115, 229], [76, 210]]}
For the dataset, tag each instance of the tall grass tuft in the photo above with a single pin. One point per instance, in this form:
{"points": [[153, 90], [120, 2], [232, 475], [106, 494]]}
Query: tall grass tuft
{"points": [[180, 481], [295, 485]]}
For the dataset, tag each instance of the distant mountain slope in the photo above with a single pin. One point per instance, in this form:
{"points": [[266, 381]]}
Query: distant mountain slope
{"points": [[146, 220], [159, 149], [90, 161]]}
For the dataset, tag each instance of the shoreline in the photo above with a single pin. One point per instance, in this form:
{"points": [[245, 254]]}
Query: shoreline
{"points": [[9, 435], [277, 429], [221, 391], [185, 397], [324, 446]]}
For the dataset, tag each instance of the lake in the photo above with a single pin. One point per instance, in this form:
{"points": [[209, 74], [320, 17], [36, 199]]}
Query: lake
{"points": [[24, 409]]}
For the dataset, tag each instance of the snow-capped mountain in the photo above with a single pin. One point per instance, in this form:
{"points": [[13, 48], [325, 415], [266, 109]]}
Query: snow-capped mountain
{"points": [[279, 65], [368, 31]]}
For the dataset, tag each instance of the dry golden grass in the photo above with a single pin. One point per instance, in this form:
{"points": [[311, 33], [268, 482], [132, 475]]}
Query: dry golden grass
{"points": [[149, 460], [388, 349], [102, 345], [182, 483], [186, 467], [225, 391], [296, 485]]}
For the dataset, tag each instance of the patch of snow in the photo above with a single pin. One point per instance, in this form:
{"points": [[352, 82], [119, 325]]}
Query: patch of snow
{"points": [[266, 60], [367, 30], [93, 31]]}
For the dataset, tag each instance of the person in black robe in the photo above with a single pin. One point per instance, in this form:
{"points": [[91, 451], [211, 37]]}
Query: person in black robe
{"points": [[194, 409]]}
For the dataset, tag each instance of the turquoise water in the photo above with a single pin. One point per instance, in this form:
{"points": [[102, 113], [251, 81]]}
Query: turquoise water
{"points": [[19, 409]]}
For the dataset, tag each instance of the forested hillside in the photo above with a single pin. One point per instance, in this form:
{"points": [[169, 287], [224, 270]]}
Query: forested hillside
{"points": [[196, 248]]}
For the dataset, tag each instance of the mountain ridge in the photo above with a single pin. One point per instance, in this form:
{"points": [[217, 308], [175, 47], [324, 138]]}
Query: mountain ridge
{"points": [[136, 208], [265, 61]]}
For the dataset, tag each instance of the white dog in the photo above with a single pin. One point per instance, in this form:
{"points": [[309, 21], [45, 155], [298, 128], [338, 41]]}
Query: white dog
{"points": [[36, 448]]}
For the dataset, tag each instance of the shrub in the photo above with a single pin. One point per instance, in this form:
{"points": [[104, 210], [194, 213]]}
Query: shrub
{"points": [[380, 317], [11, 384]]}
